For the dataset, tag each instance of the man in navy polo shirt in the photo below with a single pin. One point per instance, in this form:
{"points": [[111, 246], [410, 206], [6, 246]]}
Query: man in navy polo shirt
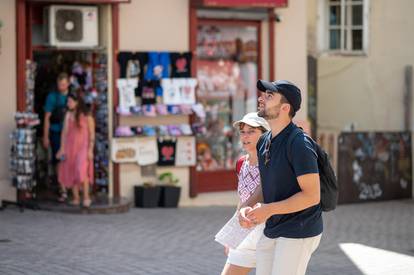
{"points": [[55, 108], [290, 185]]}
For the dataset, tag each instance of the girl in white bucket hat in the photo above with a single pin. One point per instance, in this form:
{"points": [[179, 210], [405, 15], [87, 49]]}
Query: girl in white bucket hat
{"points": [[242, 259]]}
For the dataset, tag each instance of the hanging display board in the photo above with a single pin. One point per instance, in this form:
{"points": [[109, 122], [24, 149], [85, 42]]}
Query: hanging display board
{"points": [[124, 150]]}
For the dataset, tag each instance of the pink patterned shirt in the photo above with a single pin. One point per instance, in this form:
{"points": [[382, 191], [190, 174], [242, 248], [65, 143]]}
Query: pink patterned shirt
{"points": [[249, 180]]}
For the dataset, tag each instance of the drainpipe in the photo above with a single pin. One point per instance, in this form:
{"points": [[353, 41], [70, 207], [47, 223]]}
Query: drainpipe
{"points": [[408, 92]]}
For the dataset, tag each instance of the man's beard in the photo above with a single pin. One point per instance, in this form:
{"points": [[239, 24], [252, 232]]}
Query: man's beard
{"points": [[266, 114]]}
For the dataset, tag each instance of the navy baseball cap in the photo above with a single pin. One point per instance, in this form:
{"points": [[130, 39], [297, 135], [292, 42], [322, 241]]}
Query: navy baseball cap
{"points": [[284, 87]]}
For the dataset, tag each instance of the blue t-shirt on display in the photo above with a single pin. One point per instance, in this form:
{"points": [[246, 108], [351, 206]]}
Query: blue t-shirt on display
{"points": [[158, 65], [279, 182], [54, 101]]}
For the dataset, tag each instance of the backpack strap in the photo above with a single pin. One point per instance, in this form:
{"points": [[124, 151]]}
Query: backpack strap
{"points": [[239, 163], [291, 137], [262, 138]]}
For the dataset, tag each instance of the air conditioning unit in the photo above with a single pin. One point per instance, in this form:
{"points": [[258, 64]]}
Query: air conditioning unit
{"points": [[71, 26]]}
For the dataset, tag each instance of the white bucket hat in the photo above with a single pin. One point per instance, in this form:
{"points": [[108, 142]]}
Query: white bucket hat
{"points": [[253, 120]]}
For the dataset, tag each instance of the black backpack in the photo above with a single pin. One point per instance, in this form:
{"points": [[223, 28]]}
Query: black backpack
{"points": [[328, 181]]}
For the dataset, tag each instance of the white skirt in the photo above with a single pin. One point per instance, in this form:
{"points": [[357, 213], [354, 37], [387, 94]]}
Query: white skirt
{"points": [[245, 254]]}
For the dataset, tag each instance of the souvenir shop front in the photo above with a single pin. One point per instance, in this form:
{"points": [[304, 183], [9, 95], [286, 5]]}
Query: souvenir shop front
{"points": [[164, 98], [220, 48], [78, 38]]}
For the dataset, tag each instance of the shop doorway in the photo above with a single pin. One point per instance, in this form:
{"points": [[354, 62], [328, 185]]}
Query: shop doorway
{"points": [[227, 68], [87, 71], [85, 60]]}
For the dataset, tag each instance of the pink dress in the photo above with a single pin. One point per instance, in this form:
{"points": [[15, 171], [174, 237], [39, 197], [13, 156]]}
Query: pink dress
{"points": [[76, 168]]}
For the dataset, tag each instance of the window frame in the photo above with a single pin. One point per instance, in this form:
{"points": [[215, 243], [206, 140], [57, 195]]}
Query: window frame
{"points": [[345, 40]]}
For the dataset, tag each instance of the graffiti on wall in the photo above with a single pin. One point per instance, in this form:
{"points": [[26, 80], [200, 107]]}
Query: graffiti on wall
{"points": [[374, 166]]}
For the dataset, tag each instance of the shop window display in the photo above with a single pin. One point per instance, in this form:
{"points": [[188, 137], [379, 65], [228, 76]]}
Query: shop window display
{"points": [[226, 74], [167, 89]]}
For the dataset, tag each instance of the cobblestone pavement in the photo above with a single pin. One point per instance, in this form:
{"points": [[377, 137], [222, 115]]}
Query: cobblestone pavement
{"points": [[371, 238]]}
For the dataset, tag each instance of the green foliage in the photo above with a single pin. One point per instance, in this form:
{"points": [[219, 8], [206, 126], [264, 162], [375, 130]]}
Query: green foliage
{"points": [[168, 178]]}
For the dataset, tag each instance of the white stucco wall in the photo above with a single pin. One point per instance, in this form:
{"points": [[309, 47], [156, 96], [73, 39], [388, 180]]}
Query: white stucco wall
{"points": [[368, 90], [154, 25], [291, 48], [8, 90]]}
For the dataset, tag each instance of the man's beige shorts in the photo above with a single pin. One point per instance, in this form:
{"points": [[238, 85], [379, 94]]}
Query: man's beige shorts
{"points": [[284, 256]]}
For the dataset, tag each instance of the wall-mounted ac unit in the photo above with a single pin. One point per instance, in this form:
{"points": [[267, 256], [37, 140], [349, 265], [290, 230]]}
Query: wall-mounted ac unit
{"points": [[71, 26]]}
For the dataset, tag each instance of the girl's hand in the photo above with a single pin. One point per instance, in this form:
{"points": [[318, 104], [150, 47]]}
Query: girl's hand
{"points": [[260, 213], [244, 221], [60, 153], [226, 250], [46, 142]]}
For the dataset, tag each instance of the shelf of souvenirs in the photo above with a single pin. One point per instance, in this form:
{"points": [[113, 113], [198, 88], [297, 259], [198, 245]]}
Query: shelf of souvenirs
{"points": [[26, 120], [156, 110], [171, 131]]}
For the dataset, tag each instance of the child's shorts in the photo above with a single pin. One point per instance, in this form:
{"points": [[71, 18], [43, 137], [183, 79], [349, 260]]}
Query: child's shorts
{"points": [[245, 254]]}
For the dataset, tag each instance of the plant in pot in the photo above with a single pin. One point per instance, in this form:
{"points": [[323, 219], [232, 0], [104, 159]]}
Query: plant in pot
{"points": [[170, 192], [147, 195]]}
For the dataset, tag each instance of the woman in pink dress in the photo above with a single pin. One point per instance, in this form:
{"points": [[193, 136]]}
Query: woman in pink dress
{"points": [[76, 150]]}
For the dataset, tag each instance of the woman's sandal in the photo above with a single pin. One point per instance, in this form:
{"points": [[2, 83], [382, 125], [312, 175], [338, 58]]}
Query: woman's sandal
{"points": [[63, 196], [87, 203]]}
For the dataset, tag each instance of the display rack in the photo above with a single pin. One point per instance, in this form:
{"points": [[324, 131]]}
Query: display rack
{"points": [[101, 118], [23, 149], [23, 161], [156, 101]]}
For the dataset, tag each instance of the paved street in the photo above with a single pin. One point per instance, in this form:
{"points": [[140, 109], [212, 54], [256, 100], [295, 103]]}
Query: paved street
{"points": [[373, 238]]}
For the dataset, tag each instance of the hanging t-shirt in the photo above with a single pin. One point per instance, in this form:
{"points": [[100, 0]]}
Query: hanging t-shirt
{"points": [[188, 91], [158, 65], [171, 94], [132, 65], [147, 150], [181, 64], [149, 91], [126, 88], [177, 91], [166, 151]]}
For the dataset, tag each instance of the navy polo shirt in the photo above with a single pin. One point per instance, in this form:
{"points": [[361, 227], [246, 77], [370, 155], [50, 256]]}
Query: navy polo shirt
{"points": [[279, 182], [55, 100]]}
